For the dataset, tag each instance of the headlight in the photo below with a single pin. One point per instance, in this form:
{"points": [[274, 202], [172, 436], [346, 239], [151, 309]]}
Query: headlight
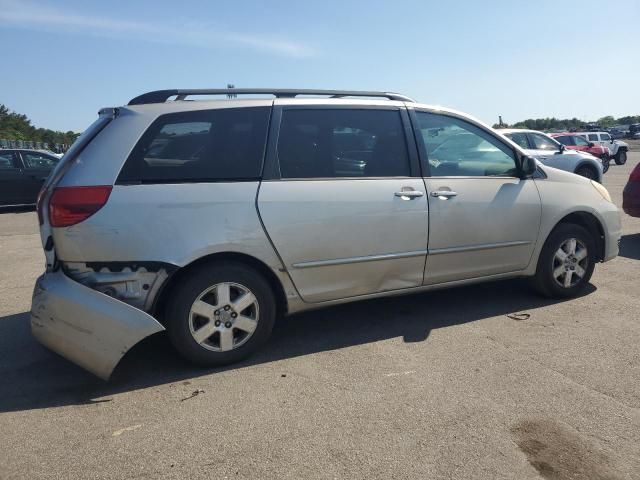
{"points": [[601, 190]]}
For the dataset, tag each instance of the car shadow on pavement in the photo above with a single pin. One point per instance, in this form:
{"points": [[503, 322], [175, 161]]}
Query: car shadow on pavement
{"points": [[32, 377], [630, 246]]}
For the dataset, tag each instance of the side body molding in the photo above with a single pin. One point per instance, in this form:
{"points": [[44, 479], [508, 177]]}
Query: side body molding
{"points": [[86, 327]]}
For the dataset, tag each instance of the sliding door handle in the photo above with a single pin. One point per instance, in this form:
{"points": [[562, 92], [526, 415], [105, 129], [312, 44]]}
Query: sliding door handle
{"points": [[409, 194]]}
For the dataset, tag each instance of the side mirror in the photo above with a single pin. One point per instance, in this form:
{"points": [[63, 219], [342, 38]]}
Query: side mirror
{"points": [[611, 139], [529, 166]]}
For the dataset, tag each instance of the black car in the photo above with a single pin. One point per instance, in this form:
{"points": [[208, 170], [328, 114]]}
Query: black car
{"points": [[22, 173]]}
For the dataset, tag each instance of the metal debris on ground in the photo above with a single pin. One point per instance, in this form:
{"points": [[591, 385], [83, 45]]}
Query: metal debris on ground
{"points": [[519, 316], [195, 393]]}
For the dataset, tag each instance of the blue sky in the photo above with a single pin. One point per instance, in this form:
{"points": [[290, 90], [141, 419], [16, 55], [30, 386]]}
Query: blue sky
{"points": [[63, 60]]}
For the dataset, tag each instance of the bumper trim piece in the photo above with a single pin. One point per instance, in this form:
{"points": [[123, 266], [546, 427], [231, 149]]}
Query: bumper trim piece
{"points": [[86, 327]]}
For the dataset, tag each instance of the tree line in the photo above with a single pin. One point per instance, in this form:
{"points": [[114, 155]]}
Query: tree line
{"points": [[569, 123], [16, 126]]}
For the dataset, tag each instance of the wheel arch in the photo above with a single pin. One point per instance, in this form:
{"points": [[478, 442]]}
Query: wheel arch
{"points": [[160, 302], [590, 165], [589, 222]]}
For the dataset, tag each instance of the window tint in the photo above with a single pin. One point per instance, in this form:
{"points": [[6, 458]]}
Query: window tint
{"points": [[458, 148], [520, 138], [542, 142], [566, 139], [37, 160], [593, 137], [320, 143], [605, 137], [6, 160], [580, 141], [224, 144]]}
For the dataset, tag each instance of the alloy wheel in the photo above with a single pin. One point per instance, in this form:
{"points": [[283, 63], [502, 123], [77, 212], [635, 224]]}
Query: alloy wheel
{"points": [[224, 317], [570, 263]]}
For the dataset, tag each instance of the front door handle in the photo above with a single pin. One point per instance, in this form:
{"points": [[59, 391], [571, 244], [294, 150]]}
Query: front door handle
{"points": [[409, 194], [444, 194]]}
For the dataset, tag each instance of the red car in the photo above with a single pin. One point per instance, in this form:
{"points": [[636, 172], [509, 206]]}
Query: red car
{"points": [[631, 194], [576, 142]]}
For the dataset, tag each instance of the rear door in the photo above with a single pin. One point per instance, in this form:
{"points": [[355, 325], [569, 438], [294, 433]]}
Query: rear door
{"points": [[37, 167], [483, 218], [343, 201], [11, 187]]}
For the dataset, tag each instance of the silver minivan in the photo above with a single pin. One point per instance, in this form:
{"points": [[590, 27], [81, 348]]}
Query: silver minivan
{"points": [[210, 218]]}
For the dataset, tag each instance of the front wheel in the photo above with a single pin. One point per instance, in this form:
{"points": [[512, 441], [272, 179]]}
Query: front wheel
{"points": [[220, 314], [621, 157], [566, 262], [605, 164]]}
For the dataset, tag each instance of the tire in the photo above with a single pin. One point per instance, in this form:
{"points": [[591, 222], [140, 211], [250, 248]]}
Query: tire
{"points": [[202, 332], [605, 165], [587, 172], [621, 157], [551, 274]]}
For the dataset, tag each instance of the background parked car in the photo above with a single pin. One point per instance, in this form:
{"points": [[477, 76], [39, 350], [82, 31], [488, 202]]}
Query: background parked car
{"points": [[631, 194], [618, 149], [576, 142], [551, 152], [22, 173], [618, 132]]}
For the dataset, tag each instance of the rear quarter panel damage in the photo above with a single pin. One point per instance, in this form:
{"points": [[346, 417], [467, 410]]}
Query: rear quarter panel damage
{"points": [[88, 328]]}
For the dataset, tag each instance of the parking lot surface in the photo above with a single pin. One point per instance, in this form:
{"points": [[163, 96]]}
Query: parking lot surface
{"points": [[446, 384]]}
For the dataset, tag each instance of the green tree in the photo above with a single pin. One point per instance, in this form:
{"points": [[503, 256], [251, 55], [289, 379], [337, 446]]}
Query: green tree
{"points": [[16, 126]]}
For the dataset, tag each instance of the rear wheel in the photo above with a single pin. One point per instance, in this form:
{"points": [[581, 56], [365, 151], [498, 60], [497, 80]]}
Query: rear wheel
{"points": [[566, 262], [621, 157], [221, 314], [588, 172]]}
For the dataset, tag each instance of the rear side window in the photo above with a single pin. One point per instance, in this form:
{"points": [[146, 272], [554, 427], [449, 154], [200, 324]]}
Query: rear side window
{"points": [[202, 146], [333, 143]]}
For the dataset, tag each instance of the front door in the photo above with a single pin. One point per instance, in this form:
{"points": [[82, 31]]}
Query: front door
{"points": [[483, 218], [548, 152], [347, 211]]}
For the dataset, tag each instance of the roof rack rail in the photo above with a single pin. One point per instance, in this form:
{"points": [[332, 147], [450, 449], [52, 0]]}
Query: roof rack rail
{"points": [[161, 96]]}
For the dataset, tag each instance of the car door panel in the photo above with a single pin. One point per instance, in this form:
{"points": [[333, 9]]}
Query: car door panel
{"points": [[13, 182], [343, 238], [37, 167], [488, 228], [345, 214], [484, 220]]}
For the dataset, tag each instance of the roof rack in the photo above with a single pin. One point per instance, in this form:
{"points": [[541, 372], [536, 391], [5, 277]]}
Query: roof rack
{"points": [[161, 96]]}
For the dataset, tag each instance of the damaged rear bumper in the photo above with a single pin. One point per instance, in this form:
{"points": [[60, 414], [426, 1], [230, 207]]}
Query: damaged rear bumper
{"points": [[86, 327]]}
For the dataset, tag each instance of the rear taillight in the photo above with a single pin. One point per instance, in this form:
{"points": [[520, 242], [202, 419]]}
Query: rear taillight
{"points": [[635, 174], [71, 205]]}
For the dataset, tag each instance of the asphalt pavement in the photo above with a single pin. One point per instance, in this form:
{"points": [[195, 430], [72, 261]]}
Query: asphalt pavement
{"points": [[441, 385]]}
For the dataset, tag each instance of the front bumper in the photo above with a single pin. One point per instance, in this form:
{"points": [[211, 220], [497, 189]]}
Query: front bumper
{"points": [[86, 327], [612, 232]]}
